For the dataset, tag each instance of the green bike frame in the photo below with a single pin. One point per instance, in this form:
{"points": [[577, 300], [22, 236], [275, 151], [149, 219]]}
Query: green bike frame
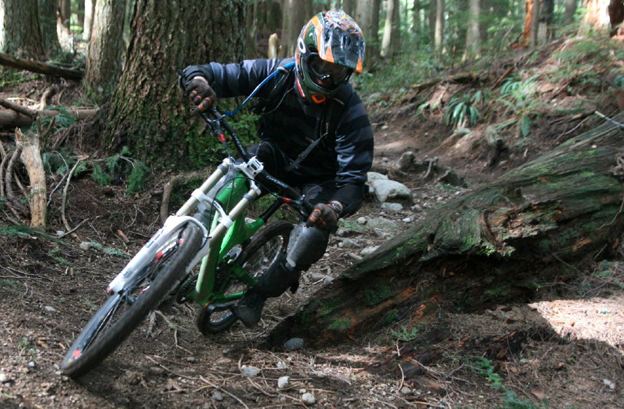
{"points": [[224, 236]]}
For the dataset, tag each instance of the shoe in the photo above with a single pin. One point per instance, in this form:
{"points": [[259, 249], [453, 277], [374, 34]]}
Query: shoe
{"points": [[249, 308]]}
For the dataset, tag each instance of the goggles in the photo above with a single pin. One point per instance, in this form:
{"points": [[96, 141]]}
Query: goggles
{"points": [[326, 74]]}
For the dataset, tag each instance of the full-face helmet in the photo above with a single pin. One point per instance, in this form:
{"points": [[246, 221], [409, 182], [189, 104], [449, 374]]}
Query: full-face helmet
{"points": [[329, 49]]}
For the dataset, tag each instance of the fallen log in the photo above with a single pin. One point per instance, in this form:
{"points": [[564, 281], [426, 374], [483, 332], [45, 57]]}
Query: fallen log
{"points": [[488, 246], [40, 68]]}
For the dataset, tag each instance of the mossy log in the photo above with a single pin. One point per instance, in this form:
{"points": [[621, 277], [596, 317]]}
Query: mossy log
{"points": [[491, 245]]}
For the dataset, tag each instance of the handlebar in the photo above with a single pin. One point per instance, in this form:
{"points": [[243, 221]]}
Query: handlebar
{"points": [[292, 196]]}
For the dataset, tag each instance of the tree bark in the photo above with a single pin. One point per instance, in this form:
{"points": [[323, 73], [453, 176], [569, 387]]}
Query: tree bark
{"points": [[19, 28], [148, 112], [47, 21], [487, 247], [473, 33], [391, 42], [106, 49], [595, 17], [364, 12], [438, 39], [292, 22], [88, 19], [39, 67], [569, 11]]}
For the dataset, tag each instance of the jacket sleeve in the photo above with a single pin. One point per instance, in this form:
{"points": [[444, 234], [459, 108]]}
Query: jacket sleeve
{"points": [[232, 80], [354, 146]]}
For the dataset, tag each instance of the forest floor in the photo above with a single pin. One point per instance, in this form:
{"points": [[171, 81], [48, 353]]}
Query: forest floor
{"points": [[561, 349]]}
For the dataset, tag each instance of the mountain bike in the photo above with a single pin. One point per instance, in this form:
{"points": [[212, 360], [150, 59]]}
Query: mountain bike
{"points": [[212, 227]]}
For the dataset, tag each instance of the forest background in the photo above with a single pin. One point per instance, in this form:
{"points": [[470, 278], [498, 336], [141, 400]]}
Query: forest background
{"points": [[96, 87]]}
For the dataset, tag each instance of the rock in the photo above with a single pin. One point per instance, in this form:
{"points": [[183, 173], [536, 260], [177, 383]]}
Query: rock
{"points": [[86, 245], [293, 344], [4, 378], [375, 176], [368, 250], [218, 396], [308, 399], [406, 160], [417, 208], [317, 276], [393, 207], [50, 309], [283, 382], [386, 190], [250, 371], [361, 220], [406, 391], [349, 244], [282, 365], [382, 224]]}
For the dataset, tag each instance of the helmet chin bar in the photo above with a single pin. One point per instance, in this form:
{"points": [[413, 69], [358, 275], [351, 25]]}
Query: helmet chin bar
{"points": [[316, 98]]}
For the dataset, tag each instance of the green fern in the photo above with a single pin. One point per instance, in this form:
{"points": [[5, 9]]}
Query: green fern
{"points": [[99, 176], [137, 178], [463, 109]]}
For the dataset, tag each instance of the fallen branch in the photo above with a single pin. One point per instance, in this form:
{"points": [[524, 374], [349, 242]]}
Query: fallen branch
{"points": [[19, 115], [41, 68], [31, 156], [164, 206], [64, 202]]}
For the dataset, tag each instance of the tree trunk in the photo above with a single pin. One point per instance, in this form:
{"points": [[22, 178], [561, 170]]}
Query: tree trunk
{"points": [[535, 12], [47, 21], [616, 17], [20, 34], [546, 16], [65, 11], [88, 19], [473, 34], [391, 43], [106, 49], [364, 12], [438, 40], [595, 17], [347, 6], [291, 26], [148, 112], [486, 247], [569, 11]]}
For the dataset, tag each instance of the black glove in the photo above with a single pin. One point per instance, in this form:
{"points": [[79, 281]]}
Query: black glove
{"points": [[201, 94], [325, 216]]}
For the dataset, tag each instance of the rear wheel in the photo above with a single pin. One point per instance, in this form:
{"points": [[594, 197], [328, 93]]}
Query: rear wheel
{"points": [[122, 313], [256, 258]]}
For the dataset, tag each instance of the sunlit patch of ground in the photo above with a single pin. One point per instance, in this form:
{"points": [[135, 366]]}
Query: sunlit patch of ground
{"points": [[601, 319]]}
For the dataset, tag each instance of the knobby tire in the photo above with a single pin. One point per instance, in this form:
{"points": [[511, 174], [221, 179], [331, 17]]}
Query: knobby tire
{"points": [[102, 339]]}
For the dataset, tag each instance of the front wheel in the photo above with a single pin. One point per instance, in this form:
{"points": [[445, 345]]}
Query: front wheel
{"points": [[122, 313], [256, 258]]}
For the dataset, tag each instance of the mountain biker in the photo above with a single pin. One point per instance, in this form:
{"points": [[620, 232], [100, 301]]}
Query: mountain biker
{"points": [[315, 135]]}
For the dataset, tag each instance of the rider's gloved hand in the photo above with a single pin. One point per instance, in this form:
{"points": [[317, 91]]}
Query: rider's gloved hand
{"points": [[325, 216], [201, 94]]}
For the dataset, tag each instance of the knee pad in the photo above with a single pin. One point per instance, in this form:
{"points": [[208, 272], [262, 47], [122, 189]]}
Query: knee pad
{"points": [[306, 246]]}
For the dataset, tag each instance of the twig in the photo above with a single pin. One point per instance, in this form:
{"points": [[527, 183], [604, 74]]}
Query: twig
{"points": [[402, 378], [223, 390], [606, 118], [75, 228], [65, 223]]}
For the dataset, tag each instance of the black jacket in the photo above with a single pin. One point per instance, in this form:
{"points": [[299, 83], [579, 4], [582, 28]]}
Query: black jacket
{"points": [[345, 152]]}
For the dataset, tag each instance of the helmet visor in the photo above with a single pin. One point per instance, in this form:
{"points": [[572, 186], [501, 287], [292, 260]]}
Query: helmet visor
{"points": [[326, 74]]}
